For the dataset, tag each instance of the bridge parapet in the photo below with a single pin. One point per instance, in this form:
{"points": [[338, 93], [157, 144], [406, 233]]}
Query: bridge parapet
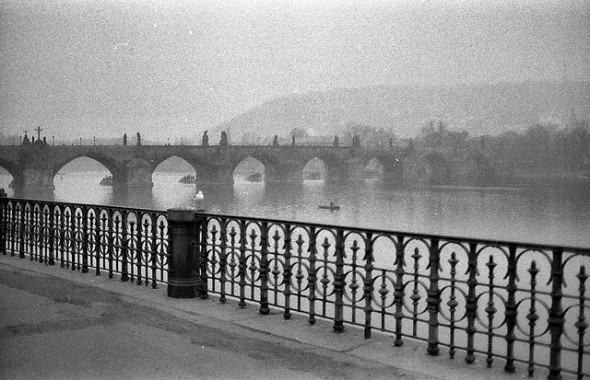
{"points": [[33, 167]]}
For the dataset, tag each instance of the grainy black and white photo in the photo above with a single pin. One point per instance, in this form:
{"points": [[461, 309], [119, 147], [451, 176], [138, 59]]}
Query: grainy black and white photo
{"points": [[294, 189]]}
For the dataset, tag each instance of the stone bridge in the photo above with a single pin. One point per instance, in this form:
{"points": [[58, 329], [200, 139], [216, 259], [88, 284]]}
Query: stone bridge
{"points": [[33, 167]]}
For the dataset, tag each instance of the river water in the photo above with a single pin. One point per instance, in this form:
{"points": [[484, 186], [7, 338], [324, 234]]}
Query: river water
{"points": [[538, 213]]}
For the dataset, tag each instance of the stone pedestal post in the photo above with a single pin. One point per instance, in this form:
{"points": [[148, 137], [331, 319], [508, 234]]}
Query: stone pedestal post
{"points": [[182, 232], [3, 222]]}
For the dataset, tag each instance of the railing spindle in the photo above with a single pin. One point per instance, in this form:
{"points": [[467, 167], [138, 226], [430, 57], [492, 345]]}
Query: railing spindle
{"points": [[510, 312], [490, 310], [124, 248], [471, 302], [22, 229], [433, 299], [312, 277], [452, 303], [556, 319], [581, 323], [264, 309], [354, 282], [242, 264], [339, 283], [222, 260], [368, 284], [85, 238], [203, 257], [532, 316], [398, 295], [287, 272], [154, 249]]}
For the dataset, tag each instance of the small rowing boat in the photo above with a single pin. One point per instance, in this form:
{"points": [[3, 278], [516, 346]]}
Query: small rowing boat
{"points": [[331, 207]]}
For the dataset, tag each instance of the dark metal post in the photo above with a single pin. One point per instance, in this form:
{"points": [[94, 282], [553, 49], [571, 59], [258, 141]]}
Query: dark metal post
{"points": [[368, 284], [398, 294], [242, 265], [202, 256], [511, 310], [222, 259], [124, 249], [182, 281], [287, 272], [3, 221], [581, 324], [312, 278], [264, 309], [471, 303], [85, 235], [433, 299], [52, 230], [21, 230], [339, 283]]}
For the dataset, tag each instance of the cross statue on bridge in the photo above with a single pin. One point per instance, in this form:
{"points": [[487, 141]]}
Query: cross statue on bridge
{"points": [[38, 129]]}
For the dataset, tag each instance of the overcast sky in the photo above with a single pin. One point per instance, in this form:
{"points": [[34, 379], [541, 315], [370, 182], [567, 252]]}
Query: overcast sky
{"points": [[168, 68]]}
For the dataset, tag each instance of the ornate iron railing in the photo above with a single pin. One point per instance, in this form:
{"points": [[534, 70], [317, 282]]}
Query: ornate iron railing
{"points": [[522, 304], [130, 242]]}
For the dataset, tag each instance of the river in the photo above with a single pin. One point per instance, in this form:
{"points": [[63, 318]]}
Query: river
{"points": [[547, 213]]}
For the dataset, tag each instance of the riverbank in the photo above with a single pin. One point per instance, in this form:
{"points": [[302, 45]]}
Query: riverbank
{"points": [[62, 324]]}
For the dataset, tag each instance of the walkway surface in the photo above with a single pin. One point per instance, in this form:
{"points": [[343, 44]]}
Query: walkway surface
{"points": [[61, 324]]}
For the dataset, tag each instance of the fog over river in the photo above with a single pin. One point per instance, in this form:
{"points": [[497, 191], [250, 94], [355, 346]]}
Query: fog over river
{"points": [[539, 213]]}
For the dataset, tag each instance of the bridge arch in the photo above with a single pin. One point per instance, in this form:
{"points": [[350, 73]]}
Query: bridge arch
{"points": [[436, 169], [203, 168], [274, 170], [386, 167], [200, 169], [249, 169], [477, 170], [335, 167], [114, 168], [8, 178], [83, 179], [373, 169], [315, 169]]}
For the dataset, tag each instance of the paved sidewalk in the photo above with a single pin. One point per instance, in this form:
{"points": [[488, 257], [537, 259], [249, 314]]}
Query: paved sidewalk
{"points": [[61, 324]]}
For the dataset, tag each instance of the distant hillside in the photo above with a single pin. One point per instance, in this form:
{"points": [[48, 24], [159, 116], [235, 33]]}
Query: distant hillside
{"points": [[478, 109]]}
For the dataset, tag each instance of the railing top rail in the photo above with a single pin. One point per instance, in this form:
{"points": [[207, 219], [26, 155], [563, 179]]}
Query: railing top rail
{"points": [[415, 235], [132, 209], [410, 234]]}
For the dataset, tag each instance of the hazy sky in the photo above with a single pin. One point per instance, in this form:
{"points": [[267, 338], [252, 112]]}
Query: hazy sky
{"points": [[174, 68]]}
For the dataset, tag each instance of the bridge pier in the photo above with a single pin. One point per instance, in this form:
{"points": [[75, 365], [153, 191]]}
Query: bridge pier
{"points": [[221, 175], [284, 173], [37, 179], [345, 171], [139, 174], [393, 172]]}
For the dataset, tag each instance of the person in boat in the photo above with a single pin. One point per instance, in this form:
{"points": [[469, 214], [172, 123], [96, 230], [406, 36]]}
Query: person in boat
{"points": [[332, 205]]}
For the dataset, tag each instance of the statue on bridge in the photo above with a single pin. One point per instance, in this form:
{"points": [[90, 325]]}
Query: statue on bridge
{"points": [[223, 141], [26, 141], [336, 141], [138, 139], [124, 139], [275, 141], [205, 140]]}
